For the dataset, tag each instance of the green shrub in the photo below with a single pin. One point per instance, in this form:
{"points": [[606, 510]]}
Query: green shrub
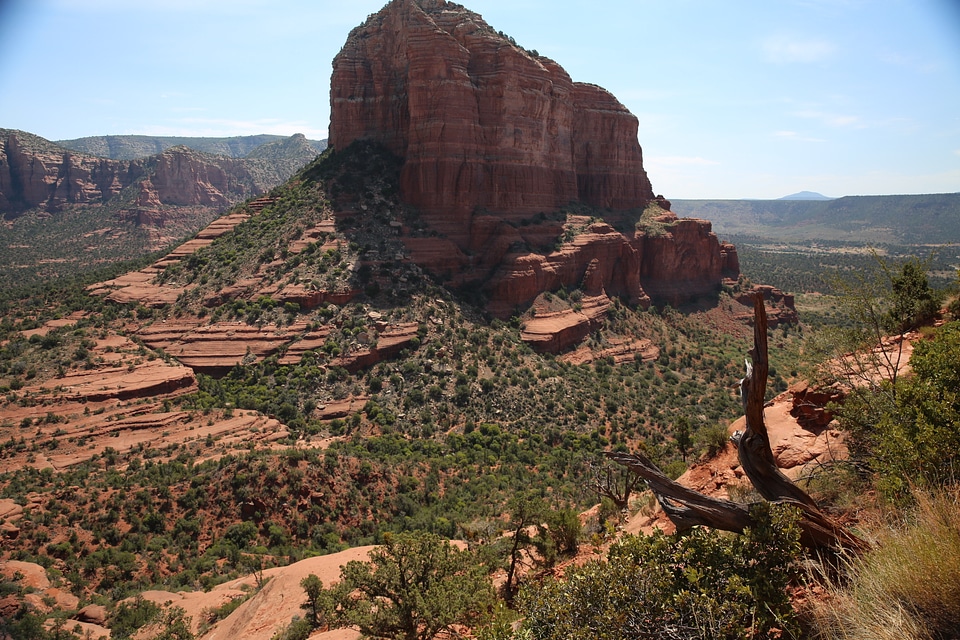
{"points": [[130, 616], [416, 586], [705, 584], [910, 433], [711, 439]]}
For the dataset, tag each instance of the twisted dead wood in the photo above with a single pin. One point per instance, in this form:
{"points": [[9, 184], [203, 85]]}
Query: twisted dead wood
{"points": [[687, 508]]}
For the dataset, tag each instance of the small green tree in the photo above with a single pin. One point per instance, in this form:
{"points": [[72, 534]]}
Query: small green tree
{"points": [[707, 584], [877, 308], [914, 303], [417, 586], [560, 535], [910, 434], [175, 625], [321, 604], [683, 436], [526, 511]]}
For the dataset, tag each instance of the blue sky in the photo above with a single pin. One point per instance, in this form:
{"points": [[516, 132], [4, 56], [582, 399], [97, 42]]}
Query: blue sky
{"points": [[736, 98]]}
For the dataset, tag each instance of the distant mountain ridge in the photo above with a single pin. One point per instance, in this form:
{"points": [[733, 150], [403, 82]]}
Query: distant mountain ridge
{"points": [[806, 195], [67, 211], [134, 147], [907, 219]]}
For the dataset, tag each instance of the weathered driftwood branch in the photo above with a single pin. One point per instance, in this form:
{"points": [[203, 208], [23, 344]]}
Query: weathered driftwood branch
{"points": [[756, 456], [687, 508]]}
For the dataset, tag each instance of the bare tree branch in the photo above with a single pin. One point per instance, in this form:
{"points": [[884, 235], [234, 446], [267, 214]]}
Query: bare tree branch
{"points": [[688, 508]]}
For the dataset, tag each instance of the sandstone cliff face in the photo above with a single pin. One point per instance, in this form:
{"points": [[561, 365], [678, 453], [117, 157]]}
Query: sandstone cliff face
{"points": [[182, 177], [684, 261], [490, 136], [35, 173], [482, 125]]}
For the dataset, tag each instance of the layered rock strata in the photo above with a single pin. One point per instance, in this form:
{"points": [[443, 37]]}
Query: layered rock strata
{"points": [[482, 124], [493, 140], [37, 174]]}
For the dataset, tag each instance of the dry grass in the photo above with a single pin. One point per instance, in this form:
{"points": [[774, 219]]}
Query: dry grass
{"points": [[908, 588]]}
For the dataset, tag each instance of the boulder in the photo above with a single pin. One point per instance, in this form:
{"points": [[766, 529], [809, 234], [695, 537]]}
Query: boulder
{"points": [[93, 614]]}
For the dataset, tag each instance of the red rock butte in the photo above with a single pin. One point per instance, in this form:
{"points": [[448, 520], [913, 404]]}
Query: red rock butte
{"points": [[482, 124], [493, 139]]}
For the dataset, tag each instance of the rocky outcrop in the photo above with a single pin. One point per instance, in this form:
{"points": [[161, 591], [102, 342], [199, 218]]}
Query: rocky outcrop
{"points": [[680, 260], [37, 174], [493, 140], [683, 259], [780, 306], [557, 331], [622, 350], [810, 404], [184, 177], [482, 125]]}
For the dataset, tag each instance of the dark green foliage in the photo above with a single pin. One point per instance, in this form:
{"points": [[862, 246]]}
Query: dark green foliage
{"points": [[130, 616], [702, 585], [415, 587], [711, 439], [909, 434], [914, 302], [563, 528], [24, 624], [298, 629], [174, 625]]}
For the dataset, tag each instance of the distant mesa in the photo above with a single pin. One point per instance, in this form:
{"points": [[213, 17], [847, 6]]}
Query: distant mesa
{"points": [[806, 195], [134, 147]]}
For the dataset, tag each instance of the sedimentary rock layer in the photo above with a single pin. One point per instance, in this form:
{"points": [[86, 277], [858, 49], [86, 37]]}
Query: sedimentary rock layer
{"points": [[482, 124], [37, 174]]}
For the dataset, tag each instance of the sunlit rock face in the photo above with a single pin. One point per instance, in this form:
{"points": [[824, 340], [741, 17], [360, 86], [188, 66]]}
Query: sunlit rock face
{"points": [[482, 125], [491, 137]]}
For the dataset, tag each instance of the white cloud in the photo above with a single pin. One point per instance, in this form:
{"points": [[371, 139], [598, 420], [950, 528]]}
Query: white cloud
{"points": [[831, 119], [785, 49], [910, 62]]}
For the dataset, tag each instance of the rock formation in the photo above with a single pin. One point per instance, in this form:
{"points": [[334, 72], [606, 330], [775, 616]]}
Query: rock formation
{"points": [[492, 139], [37, 174], [780, 305], [482, 124]]}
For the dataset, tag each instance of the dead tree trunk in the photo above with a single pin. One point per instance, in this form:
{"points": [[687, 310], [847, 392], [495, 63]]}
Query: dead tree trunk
{"points": [[756, 456], [687, 508], [613, 482]]}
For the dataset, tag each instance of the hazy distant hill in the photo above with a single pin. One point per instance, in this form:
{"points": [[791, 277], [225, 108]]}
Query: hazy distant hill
{"points": [[134, 147], [806, 195], [287, 154], [912, 219]]}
